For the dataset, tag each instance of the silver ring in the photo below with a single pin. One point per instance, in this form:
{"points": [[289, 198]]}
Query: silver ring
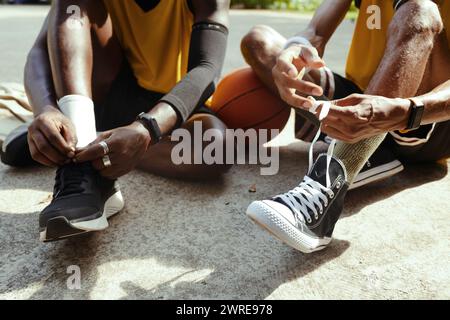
{"points": [[105, 147], [106, 161]]}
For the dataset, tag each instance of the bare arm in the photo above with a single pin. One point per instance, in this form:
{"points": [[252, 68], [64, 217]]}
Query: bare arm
{"points": [[51, 135], [38, 75], [325, 22], [437, 104], [398, 76]]}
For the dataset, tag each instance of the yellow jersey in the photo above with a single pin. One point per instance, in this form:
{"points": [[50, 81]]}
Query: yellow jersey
{"points": [[156, 42], [368, 46]]}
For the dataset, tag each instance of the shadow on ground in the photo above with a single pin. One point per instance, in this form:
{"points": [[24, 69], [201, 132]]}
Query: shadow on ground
{"points": [[174, 239]]}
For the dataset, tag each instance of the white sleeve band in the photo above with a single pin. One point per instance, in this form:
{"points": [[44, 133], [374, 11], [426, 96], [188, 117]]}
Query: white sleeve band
{"points": [[297, 40], [80, 110]]}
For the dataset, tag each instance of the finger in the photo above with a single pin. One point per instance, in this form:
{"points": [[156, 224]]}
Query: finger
{"points": [[91, 153], [47, 149], [69, 134], [39, 157], [295, 100], [98, 164], [302, 86], [56, 139], [351, 100], [110, 173], [284, 64], [100, 137], [311, 58]]}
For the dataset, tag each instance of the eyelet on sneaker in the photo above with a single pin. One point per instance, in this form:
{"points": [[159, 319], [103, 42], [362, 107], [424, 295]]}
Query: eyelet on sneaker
{"points": [[338, 185], [309, 220], [332, 196]]}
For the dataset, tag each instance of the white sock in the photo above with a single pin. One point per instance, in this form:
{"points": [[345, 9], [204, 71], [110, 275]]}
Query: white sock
{"points": [[80, 110]]}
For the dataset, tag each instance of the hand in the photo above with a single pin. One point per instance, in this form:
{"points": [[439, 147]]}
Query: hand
{"points": [[52, 138], [126, 146], [359, 116], [290, 64]]}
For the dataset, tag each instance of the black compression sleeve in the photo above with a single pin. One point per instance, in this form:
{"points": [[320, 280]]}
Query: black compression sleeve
{"points": [[206, 56]]}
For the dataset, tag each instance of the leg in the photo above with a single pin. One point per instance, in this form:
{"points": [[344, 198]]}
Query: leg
{"points": [[158, 158], [84, 60], [76, 56]]}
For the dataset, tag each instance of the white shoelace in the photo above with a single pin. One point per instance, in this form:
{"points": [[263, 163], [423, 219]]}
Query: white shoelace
{"points": [[310, 194]]}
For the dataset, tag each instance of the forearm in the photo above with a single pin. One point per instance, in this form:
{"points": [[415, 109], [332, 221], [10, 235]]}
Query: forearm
{"points": [[324, 23], [38, 81], [206, 56], [437, 104]]}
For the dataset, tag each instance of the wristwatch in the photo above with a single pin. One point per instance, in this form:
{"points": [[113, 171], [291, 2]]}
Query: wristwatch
{"points": [[415, 117], [151, 125]]}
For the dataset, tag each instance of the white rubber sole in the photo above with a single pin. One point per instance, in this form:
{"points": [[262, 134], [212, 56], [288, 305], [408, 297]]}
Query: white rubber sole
{"points": [[376, 174], [270, 220], [113, 205]]}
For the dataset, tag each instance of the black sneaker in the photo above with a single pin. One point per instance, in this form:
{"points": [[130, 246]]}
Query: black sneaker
{"points": [[82, 202], [15, 151], [304, 218], [381, 165]]}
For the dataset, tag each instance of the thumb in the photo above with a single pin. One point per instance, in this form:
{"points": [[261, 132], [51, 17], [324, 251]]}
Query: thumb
{"points": [[311, 58], [69, 134]]}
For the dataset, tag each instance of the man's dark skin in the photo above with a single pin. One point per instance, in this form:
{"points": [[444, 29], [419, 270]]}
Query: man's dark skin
{"points": [[416, 62], [85, 61]]}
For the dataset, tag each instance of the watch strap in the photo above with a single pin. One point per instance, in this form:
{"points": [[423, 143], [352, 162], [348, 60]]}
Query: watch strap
{"points": [[415, 117], [152, 127]]}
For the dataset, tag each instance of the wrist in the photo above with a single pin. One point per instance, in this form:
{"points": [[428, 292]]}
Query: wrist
{"points": [[45, 109], [297, 40], [403, 107], [142, 130]]}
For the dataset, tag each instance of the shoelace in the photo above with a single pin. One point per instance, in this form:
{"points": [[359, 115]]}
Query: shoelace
{"points": [[310, 194], [69, 179]]}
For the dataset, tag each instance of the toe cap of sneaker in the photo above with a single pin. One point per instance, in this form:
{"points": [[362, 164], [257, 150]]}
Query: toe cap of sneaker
{"points": [[269, 206]]}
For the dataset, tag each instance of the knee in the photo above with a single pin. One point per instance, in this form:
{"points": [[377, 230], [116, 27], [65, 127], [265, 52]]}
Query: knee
{"points": [[254, 41], [419, 18]]}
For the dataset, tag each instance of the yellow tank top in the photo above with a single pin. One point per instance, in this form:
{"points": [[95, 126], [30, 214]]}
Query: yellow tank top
{"points": [[156, 43], [368, 46]]}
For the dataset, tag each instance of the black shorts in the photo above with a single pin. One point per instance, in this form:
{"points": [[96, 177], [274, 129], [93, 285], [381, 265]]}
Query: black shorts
{"points": [[426, 144], [126, 100]]}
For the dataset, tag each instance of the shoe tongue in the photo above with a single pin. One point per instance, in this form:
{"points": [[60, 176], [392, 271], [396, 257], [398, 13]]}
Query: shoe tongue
{"points": [[319, 170], [71, 178]]}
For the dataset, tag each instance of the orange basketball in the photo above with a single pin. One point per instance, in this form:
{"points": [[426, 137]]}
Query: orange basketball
{"points": [[243, 101]]}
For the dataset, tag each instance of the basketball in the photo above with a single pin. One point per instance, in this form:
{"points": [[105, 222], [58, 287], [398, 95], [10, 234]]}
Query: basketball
{"points": [[242, 101]]}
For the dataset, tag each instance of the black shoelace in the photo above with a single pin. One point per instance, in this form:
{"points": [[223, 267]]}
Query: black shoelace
{"points": [[69, 179]]}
